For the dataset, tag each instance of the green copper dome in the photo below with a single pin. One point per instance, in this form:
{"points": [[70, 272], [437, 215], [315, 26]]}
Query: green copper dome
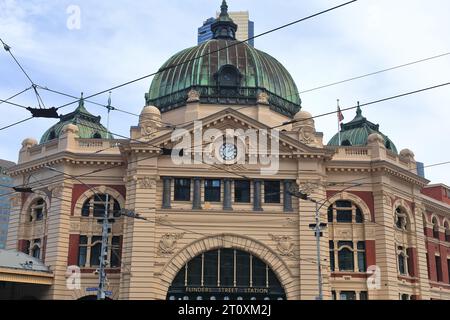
{"points": [[89, 125], [224, 71], [357, 132]]}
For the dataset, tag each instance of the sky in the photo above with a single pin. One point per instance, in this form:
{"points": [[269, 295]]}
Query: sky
{"points": [[121, 40]]}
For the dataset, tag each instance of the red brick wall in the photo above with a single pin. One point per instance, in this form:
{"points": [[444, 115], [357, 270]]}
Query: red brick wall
{"points": [[412, 262], [437, 192], [79, 189], [23, 245], [371, 259], [74, 241]]}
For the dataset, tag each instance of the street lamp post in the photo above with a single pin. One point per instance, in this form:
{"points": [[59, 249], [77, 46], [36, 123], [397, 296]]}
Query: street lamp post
{"points": [[317, 227]]}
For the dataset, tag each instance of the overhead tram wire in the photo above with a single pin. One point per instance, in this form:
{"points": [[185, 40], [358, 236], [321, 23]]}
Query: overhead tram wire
{"points": [[364, 104], [14, 96], [213, 52], [375, 73], [15, 123]]}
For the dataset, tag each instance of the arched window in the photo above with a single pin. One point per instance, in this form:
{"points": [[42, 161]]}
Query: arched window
{"points": [[401, 219], [447, 232], [345, 212], [37, 211], [228, 76], [435, 228], [402, 258], [345, 256], [349, 258], [95, 206], [96, 135], [36, 249], [226, 274], [52, 135]]}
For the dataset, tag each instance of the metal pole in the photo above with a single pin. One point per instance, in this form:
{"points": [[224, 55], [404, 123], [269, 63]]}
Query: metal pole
{"points": [[104, 253], [319, 264]]}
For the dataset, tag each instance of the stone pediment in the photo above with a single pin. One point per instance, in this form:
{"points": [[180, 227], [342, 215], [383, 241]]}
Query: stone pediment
{"points": [[230, 122]]}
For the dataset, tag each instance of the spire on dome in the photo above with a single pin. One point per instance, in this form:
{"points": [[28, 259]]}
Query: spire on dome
{"points": [[224, 27]]}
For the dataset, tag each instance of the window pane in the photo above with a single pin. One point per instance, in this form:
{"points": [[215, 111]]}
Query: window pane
{"points": [[212, 190], [330, 214], [85, 209], [259, 273], [343, 204], [359, 216], [82, 251], [226, 267], [116, 209], [344, 216], [242, 191], [115, 252], [363, 295], [438, 269], [272, 191], [210, 272], [195, 271], [332, 262], [179, 279], [401, 264], [182, 190], [348, 295], [362, 261], [96, 251], [243, 269], [346, 262]]}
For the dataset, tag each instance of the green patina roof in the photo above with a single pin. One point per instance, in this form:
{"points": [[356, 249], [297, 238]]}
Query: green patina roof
{"points": [[357, 132], [89, 125]]}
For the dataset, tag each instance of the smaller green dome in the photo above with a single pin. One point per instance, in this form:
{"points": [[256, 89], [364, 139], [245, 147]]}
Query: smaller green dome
{"points": [[89, 126], [357, 132]]}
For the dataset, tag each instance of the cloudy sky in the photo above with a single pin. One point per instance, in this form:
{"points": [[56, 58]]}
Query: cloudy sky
{"points": [[121, 40]]}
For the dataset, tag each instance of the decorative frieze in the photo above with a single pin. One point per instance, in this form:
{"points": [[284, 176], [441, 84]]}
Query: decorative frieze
{"points": [[285, 245], [168, 243]]}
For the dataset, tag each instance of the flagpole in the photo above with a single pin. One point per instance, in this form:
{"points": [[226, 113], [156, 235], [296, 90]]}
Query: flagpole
{"points": [[339, 121]]}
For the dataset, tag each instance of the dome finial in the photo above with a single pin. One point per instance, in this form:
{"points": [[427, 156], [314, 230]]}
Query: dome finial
{"points": [[81, 102], [224, 27], [358, 111], [224, 8]]}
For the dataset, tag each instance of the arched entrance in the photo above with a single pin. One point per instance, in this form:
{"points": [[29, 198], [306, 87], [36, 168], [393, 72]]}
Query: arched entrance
{"points": [[226, 274]]}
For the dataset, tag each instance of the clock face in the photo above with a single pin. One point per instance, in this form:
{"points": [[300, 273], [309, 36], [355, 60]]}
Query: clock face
{"points": [[228, 151]]}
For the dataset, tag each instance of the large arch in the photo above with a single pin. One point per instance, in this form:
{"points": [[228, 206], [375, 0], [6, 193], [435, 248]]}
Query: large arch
{"points": [[228, 241]]}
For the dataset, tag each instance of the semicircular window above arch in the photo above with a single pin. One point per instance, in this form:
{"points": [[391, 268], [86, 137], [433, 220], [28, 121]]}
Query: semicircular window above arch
{"points": [[226, 274], [95, 206]]}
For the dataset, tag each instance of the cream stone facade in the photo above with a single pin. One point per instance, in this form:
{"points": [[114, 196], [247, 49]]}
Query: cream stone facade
{"points": [[383, 236]]}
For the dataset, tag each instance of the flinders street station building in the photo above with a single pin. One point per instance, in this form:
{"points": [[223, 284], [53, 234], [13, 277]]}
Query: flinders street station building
{"points": [[226, 190]]}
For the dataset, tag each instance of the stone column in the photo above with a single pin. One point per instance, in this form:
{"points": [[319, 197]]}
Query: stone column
{"points": [[257, 195], [167, 192], [197, 203], [287, 200], [227, 195]]}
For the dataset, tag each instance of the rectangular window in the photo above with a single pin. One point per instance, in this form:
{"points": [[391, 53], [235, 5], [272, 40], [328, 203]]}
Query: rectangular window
{"points": [[347, 295], [115, 252], [344, 216], [272, 191], [195, 271], [210, 269], [182, 190], [362, 256], [345, 256], [242, 191], [96, 249], [212, 190], [82, 251], [332, 262], [363, 295], [438, 269], [226, 267]]}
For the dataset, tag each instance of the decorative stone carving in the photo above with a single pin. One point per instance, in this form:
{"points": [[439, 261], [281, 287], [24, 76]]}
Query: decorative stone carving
{"points": [[284, 245], [193, 96], [57, 190], [263, 98], [168, 243], [387, 200], [307, 135], [146, 183]]}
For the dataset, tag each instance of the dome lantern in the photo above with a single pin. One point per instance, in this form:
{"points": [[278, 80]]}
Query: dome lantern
{"points": [[224, 27]]}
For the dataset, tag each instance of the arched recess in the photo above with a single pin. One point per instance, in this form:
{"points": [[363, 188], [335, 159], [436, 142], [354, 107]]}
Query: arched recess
{"points": [[229, 241], [355, 199], [405, 206], [101, 190], [35, 196]]}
